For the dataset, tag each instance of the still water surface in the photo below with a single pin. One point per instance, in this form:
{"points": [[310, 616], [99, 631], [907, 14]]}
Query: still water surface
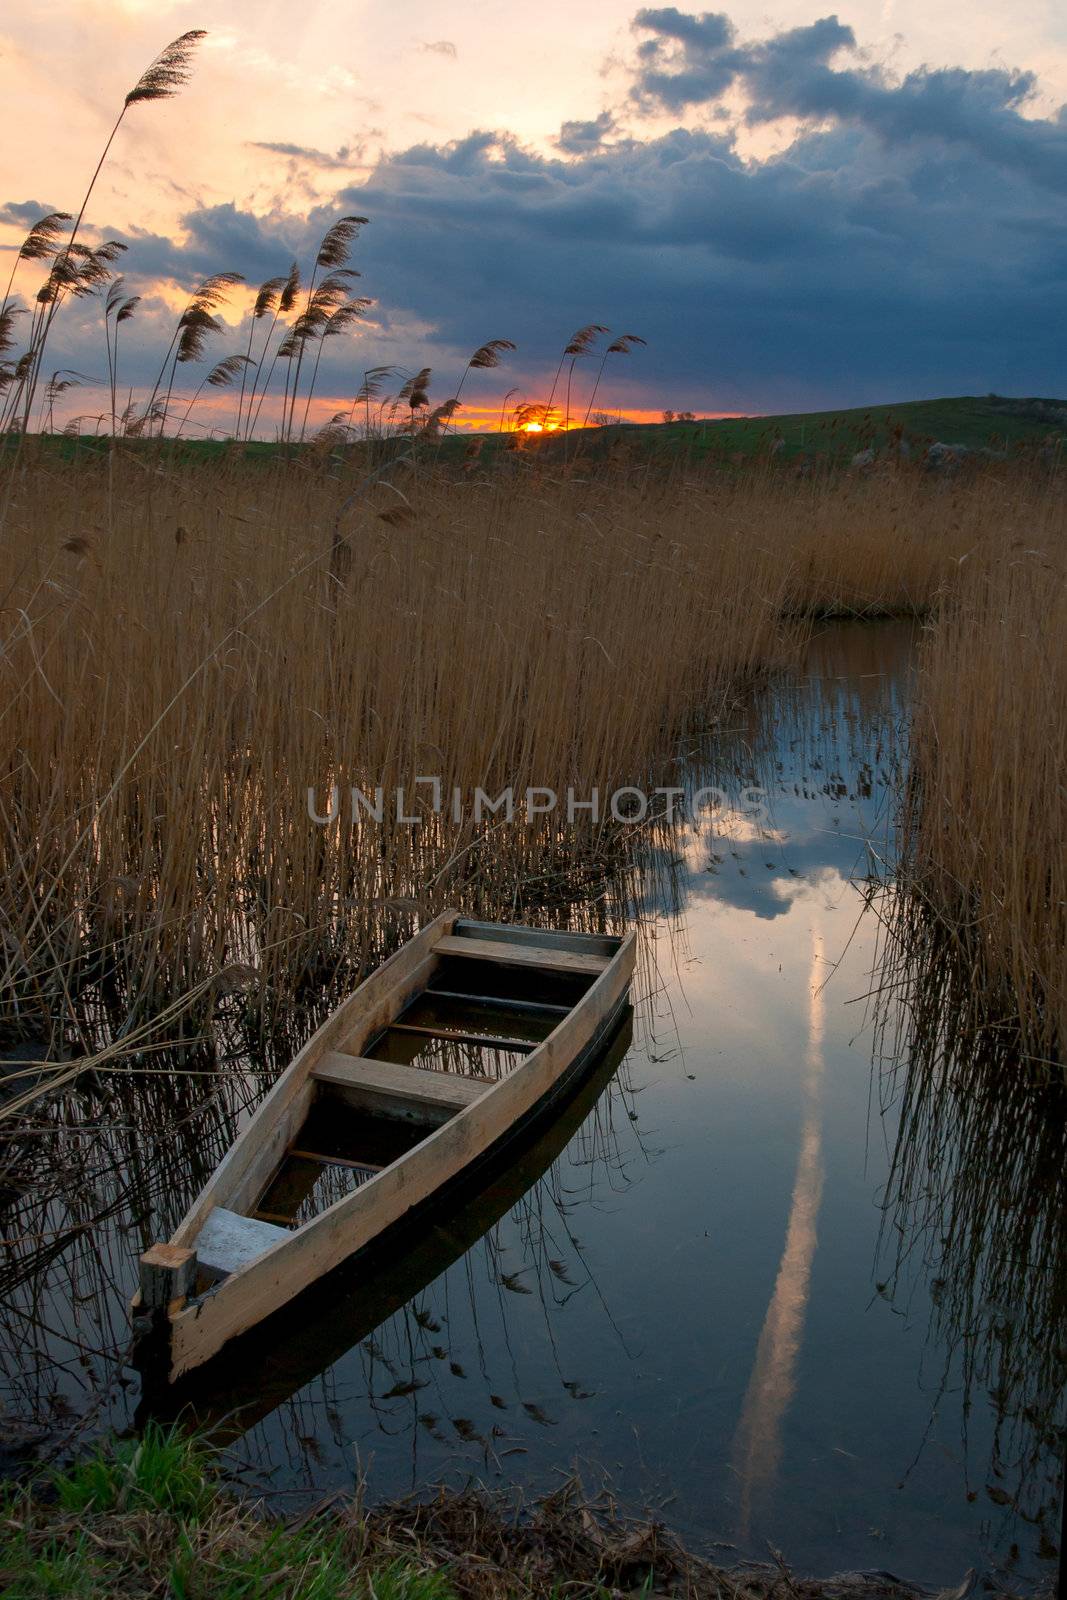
{"points": [[684, 1288]]}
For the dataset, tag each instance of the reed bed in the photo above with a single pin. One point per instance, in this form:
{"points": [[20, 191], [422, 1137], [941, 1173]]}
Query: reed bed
{"points": [[188, 650], [986, 812], [974, 1214]]}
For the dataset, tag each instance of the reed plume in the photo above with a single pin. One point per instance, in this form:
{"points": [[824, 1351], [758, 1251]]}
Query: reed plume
{"points": [[341, 320], [161, 79], [168, 73], [484, 359], [42, 241], [77, 271], [62, 380], [332, 258], [579, 344], [415, 392], [194, 327], [370, 388], [618, 347], [119, 307], [287, 293], [40, 244], [337, 243], [264, 305], [222, 374]]}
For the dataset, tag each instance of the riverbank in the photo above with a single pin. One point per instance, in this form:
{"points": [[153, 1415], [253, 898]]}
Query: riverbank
{"points": [[138, 1518], [754, 1389]]}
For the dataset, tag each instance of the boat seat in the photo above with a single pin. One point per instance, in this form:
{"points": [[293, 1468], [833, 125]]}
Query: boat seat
{"points": [[229, 1241], [535, 957], [415, 1093], [597, 944]]}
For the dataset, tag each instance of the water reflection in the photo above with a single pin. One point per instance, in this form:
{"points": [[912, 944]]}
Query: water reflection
{"points": [[757, 1445], [685, 1301]]}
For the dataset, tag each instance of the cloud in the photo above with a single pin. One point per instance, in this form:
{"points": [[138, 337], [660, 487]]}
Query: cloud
{"points": [[689, 60], [578, 138], [442, 47], [693, 61], [343, 159], [909, 240], [24, 213]]}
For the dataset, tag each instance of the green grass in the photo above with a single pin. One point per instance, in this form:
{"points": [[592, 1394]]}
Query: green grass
{"points": [[161, 1471], [976, 421], [138, 1517]]}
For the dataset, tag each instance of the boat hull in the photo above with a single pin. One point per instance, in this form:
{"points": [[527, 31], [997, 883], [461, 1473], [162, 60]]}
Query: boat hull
{"points": [[433, 1168], [307, 1334]]}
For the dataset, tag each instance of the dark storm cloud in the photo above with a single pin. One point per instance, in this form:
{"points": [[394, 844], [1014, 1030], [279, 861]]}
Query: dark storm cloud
{"points": [[24, 213], [689, 61], [911, 240], [219, 239]]}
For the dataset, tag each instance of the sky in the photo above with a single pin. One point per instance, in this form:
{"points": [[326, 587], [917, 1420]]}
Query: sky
{"points": [[795, 208]]}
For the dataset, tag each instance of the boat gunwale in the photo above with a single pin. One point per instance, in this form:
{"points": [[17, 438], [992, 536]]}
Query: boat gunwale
{"points": [[295, 1075], [363, 1197]]}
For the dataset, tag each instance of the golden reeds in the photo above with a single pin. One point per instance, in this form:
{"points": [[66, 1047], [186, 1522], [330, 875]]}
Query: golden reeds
{"points": [[987, 808], [188, 650], [175, 682]]}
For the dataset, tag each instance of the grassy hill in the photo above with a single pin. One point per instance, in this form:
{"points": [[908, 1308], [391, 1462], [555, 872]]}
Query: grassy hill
{"points": [[987, 421]]}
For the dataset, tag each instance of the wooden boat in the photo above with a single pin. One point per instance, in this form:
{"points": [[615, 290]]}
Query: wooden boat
{"points": [[439, 1057], [255, 1374]]}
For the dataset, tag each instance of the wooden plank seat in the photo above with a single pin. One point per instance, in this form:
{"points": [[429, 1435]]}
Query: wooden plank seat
{"points": [[535, 957], [228, 1241], [597, 944], [415, 1093]]}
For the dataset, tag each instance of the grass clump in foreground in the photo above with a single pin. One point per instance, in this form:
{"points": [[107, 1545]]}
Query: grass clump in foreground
{"points": [[153, 1517]]}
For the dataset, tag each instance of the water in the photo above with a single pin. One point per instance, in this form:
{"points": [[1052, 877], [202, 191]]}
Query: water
{"points": [[686, 1288]]}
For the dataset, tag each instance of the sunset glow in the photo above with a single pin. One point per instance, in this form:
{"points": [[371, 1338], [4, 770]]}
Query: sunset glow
{"points": [[587, 191]]}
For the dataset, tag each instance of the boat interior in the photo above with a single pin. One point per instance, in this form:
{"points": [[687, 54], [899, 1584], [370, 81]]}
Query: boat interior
{"points": [[494, 993]]}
